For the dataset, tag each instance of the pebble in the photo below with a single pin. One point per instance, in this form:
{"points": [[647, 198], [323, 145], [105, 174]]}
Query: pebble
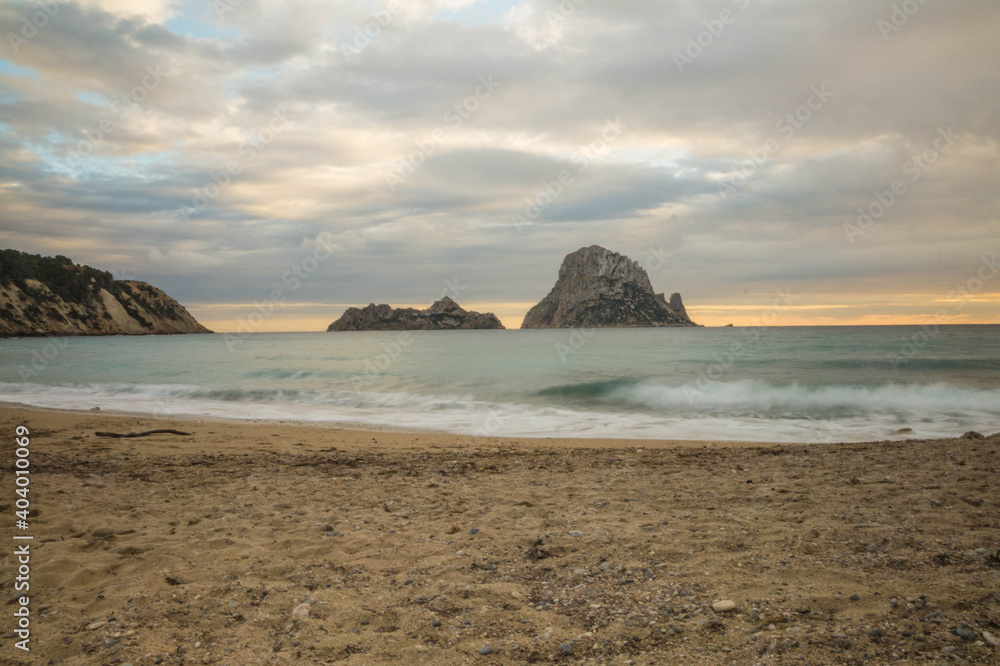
{"points": [[302, 610], [94, 626], [474, 530], [723, 605], [965, 633], [566, 648], [486, 650], [855, 597], [436, 623], [991, 639], [576, 534]]}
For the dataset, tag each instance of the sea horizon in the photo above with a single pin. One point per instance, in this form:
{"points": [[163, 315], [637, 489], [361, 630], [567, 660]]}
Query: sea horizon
{"points": [[782, 384]]}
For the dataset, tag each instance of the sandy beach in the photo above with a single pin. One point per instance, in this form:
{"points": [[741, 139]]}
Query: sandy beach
{"points": [[275, 543]]}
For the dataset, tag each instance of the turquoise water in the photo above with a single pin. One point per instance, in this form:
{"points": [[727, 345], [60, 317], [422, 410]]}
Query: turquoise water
{"points": [[773, 384]]}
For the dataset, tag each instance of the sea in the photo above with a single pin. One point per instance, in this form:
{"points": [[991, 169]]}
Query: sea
{"points": [[773, 384]]}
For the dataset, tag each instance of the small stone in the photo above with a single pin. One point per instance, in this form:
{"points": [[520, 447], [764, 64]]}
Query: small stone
{"points": [[965, 633], [972, 434], [474, 530], [991, 639], [576, 534], [648, 573], [95, 409], [486, 650], [436, 623], [94, 626], [302, 610], [855, 597], [541, 605], [723, 605], [893, 602], [981, 551], [949, 649], [580, 572], [566, 649]]}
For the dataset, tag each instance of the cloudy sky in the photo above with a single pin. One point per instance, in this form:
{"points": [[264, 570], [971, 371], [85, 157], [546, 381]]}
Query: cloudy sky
{"points": [[328, 154]]}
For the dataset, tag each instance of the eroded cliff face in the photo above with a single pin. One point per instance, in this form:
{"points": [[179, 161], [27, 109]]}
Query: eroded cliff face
{"points": [[52, 296], [598, 288], [445, 314]]}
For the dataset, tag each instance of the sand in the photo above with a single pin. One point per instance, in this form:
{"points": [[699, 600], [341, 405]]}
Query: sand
{"points": [[274, 543]]}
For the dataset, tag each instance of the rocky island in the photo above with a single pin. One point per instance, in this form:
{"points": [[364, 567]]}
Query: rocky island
{"points": [[42, 296], [598, 288], [444, 314]]}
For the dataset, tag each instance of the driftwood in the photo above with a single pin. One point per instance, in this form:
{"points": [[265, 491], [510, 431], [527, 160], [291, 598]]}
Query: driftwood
{"points": [[141, 434]]}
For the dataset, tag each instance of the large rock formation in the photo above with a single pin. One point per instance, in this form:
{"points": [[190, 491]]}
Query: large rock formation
{"points": [[53, 296], [599, 288], [445, 314]]}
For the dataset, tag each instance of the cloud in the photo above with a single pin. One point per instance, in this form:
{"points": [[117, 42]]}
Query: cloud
{"points": [[564, 73]]}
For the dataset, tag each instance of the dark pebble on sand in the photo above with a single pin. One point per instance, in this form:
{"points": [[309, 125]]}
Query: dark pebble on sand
{"points": [[436, 623], [486, 650], [965, 633], [474, 530], [855, 597], [566, 648]]}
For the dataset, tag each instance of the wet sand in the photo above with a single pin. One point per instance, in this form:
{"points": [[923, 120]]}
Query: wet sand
{"points": [[276, 543]]}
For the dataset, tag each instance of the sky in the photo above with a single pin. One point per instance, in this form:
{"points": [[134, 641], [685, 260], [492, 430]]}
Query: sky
{"points": [[269, 164]]}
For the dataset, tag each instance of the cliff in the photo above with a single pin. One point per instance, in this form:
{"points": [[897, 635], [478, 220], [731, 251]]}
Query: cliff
{"points": [[598, 288], [53, 296], [445, 314]]}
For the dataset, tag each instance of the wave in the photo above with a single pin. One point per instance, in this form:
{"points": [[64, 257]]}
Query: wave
{"points": [[759, 397], [619, 408]]}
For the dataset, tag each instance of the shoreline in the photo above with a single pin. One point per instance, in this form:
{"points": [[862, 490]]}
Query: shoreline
{"points": [[361, 428], [72, 418], [272, 543]]}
